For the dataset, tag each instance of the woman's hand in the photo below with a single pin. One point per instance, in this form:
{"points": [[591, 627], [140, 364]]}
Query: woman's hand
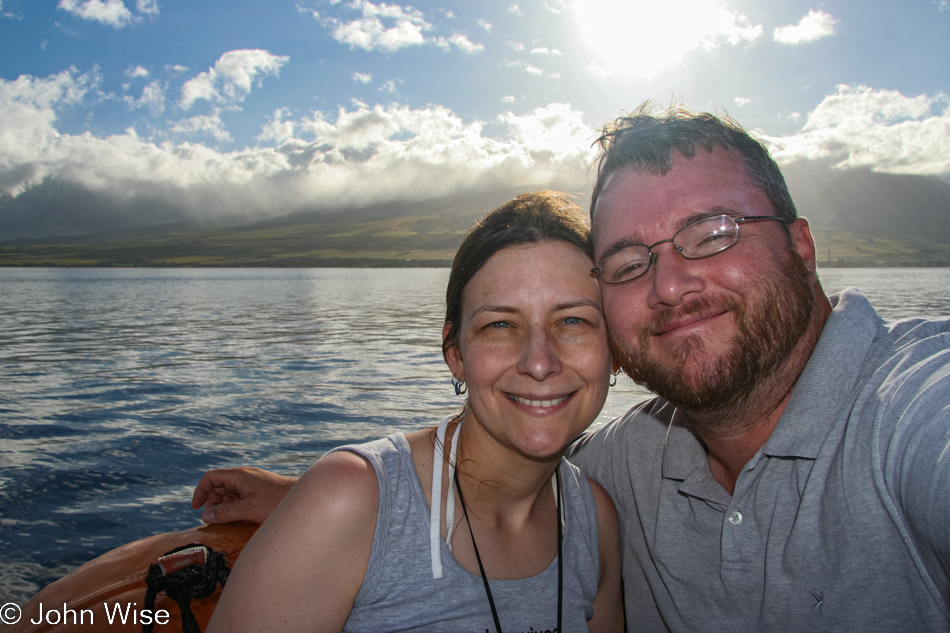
{"points": [[240, 494]]}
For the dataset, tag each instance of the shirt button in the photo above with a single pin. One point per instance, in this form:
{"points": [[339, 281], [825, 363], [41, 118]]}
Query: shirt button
{"points": [[735, 517]]}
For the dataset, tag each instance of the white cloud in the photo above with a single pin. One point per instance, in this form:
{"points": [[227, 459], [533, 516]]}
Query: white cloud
{"points": [[528, 68], [462, 43], [741, 101], [363, 78], [814, 26], [359, 156], [28, 108], [858, 126], [308, 11], [942, 5], [371, 33], [112, 13], [390, 27], [148, 7], [556, 6], [508, 99], [278, 129], [232, 77], [518, 46], [513, 9], [390, 86], [485, 24], [543, 50], [153, 98], [597, 71], [644, 37], [134, 73], [202, 125]]}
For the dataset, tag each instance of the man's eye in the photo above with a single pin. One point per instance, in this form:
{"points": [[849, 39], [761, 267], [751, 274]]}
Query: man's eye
{"points": [[573, 320], [715, 238], [630, 267], [499, 324]]}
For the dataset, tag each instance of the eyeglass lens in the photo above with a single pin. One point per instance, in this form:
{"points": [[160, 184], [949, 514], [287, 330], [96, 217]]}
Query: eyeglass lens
{"points": [[700, 239]]}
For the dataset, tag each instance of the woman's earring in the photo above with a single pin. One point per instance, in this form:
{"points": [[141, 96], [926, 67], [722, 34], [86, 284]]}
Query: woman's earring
{"points": [[613, 379], [460, 387]]}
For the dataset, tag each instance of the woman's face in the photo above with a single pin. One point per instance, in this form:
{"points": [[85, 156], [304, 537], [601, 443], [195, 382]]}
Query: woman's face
{"points": [[532, 347]]}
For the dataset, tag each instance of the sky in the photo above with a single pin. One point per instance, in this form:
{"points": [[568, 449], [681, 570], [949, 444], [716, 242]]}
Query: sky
{"points": [[160, 110]]}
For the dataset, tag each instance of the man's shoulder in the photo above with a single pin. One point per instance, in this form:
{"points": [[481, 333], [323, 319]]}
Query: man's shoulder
{"points": [[643, 426], [626, 456], [922, 337], [898, 352], [911, 352]]}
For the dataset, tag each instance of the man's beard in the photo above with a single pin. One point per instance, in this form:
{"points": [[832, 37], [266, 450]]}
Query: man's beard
{"points": [[770, 323]]}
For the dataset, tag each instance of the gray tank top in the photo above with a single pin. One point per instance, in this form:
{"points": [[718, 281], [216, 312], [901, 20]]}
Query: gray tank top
{"points": [[400, 594]]}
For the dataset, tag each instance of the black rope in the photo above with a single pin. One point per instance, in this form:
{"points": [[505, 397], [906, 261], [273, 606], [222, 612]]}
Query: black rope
{"points": [[194, 581], [560, 537]]}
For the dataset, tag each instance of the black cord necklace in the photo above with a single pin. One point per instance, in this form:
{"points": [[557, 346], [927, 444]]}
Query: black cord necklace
{"points": [[481, 568]]}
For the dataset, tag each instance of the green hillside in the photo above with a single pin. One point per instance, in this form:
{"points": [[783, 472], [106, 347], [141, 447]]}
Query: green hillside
{"points": [[844, 249], [401, 234]]}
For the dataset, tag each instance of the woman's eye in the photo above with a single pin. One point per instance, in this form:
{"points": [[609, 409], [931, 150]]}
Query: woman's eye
{"points": [[573, 320]]}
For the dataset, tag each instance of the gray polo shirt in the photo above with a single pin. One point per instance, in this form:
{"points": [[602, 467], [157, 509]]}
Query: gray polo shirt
{"points": [[840, 523]]}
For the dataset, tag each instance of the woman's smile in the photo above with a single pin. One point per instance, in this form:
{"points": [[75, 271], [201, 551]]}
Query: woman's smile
{"points": [[549, 402], [532, 347]]}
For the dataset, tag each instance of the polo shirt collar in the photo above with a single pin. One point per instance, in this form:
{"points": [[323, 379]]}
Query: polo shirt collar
{"points": [[831, 373]]}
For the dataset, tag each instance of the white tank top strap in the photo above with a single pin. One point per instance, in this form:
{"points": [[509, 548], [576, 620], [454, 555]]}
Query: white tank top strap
{"points": [[435, 511]]}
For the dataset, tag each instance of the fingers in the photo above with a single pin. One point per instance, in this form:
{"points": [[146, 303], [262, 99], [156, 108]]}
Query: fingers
{"points": [[214, 486], [226, 512], [239, 494]]}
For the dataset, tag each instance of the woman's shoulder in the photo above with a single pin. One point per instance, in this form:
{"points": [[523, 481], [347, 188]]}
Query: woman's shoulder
{"points": [[342, 486]]}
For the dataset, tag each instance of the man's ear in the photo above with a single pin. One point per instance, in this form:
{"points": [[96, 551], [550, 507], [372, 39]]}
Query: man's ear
{"points": [[453, 355], [803, 243]]}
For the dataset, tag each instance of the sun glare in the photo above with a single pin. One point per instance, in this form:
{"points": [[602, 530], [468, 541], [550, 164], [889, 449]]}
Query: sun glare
{"points": [[641, 38]]}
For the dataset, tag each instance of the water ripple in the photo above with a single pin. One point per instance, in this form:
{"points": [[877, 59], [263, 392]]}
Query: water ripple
{"points": [[120, 387]]}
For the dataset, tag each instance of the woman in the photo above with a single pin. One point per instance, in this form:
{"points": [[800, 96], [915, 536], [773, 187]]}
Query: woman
{"points": [[478, 524]]}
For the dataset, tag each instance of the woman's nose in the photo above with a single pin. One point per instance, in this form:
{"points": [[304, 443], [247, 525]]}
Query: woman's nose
{"points": [[539, 357]]}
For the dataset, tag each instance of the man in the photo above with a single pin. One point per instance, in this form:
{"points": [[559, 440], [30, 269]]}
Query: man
{"points": [[793, 472]]}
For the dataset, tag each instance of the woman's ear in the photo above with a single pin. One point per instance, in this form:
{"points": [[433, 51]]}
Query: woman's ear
{"points": [[453, 355]]}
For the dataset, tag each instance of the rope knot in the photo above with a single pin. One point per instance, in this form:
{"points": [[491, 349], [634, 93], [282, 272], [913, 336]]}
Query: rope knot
{"points": [[184, 573]]}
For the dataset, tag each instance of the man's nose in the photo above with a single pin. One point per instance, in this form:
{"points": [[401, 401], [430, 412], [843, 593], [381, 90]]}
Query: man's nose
{"points": [[673, 278]]}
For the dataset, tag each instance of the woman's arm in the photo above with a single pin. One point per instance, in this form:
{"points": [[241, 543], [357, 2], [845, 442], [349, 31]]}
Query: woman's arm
{"points": [[302, 570], [608, 605]]}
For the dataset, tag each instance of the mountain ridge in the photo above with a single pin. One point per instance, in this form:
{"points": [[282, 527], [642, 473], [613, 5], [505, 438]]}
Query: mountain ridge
{"points": [[859, 218]]}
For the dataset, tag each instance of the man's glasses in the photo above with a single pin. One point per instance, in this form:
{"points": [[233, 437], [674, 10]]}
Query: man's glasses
{"points": [[702, 238]]}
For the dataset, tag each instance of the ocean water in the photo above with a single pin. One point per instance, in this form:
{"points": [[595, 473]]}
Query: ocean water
{"points": [[120, 387]]}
